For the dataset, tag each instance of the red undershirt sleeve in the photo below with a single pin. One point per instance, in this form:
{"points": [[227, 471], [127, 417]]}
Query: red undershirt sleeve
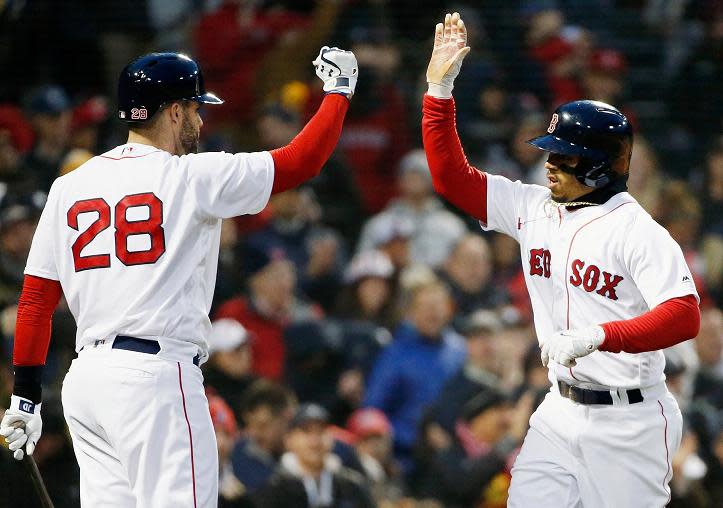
{"points": [[453, 177], [670, 323], [35, 309], [303, 158], [32, 333]]}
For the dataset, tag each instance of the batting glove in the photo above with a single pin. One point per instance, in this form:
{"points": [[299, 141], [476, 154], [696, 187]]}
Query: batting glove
{"points": [[21, 425], [563, 347], [338, 70], [450, 48]]}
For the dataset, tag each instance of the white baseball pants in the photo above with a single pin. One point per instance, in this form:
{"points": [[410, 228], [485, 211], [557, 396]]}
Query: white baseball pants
{"points": [[582, 456], [141, 430]]}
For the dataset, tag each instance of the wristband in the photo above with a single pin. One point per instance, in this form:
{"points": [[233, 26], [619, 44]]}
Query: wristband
{"points": [[28, 382], [439, 91]]}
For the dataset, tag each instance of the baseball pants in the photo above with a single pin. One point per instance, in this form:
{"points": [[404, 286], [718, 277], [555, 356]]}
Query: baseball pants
{"points": [[597, 456], [141, 431]]}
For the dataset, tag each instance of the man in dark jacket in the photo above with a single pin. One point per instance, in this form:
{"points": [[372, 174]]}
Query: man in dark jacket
{"points": [[309, 474], [474, 470], [480, 371]]}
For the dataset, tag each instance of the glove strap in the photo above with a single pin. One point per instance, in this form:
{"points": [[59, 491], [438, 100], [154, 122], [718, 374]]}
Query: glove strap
{"points": [[439, 91], [23, 405]]}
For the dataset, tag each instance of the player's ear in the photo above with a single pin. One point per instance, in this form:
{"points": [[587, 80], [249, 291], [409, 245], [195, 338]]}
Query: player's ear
{"points": [[176, 112]]}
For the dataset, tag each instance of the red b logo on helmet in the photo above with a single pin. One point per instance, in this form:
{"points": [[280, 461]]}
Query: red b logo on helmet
{"points": [[553, 123]]}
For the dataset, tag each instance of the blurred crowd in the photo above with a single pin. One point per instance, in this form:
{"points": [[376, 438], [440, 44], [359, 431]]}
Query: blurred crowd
{"points": [[370, 345]]}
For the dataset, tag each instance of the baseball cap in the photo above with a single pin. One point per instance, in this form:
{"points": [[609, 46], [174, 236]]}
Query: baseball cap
{"points": [[480, 321], [13, 121], [48, 100], [226, 335], [388, 227], [221, 414], [483, 401], [258, 257], [367, 422], [416, 161], [309, 413], [368, 263], [22, 208], [608, 61], [90, 112]]}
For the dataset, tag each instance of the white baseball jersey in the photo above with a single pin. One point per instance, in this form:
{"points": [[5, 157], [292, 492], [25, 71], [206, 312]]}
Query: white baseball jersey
{"points": [[589, 266], [133, 237]]}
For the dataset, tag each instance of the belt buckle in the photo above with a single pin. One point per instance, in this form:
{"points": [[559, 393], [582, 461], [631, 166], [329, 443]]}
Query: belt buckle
{"points": [[564, 389]]}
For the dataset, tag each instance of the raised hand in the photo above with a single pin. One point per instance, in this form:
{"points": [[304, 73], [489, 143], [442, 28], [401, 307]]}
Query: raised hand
{"points": [[450, 48], [338, 69]]}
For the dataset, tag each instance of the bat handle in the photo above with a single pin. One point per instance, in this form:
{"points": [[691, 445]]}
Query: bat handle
{"points": [[38, 482]]}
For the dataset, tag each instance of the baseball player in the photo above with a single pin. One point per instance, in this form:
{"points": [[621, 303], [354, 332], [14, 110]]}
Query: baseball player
{"points": [[609, 290], [131, 238]]}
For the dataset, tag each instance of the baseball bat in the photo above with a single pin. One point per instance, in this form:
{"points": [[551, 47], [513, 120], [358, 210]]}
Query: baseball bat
{"points": [[32, 467]]}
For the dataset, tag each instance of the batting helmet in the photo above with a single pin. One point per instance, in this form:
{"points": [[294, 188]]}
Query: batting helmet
{"points": [[153, 80], [598, 133]]}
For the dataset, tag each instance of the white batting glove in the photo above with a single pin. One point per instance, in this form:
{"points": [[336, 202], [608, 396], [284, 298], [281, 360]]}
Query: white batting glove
{"points": [[450, 48], [21, 425], [337, 69], [563, 347]]}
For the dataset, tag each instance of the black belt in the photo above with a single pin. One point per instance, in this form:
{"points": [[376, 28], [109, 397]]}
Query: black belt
{"points": [[584, 396], [151, 347]]}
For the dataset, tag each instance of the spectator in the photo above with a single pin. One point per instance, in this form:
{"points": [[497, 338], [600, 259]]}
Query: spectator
{"points": [[474, 470], [410, 373], [232, 41], [270, 306], [695, 97], [309, 474], [314, 361], [480, 372], [228, 276], [315, 252], [603, 78], [392, 236], [645, 182], [435, 230], [87, 118], [468, 272], [266, 409], [230, 489], [373, 440], [519, 160], [493, 121], [709, 344], [334, 187], [369, 292], [712, 242], [16, 139], [17, 226], [563, 50], [228, 370], [50, 114], [375, 137], [680, 214]]}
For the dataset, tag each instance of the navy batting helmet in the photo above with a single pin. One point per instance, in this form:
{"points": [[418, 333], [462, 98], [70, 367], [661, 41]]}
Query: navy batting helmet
{"points": [[153, 80], [598, 133]]}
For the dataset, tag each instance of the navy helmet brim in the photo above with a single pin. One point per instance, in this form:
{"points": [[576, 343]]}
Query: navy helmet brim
{"points": [[208, 98], [550, 143]]}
